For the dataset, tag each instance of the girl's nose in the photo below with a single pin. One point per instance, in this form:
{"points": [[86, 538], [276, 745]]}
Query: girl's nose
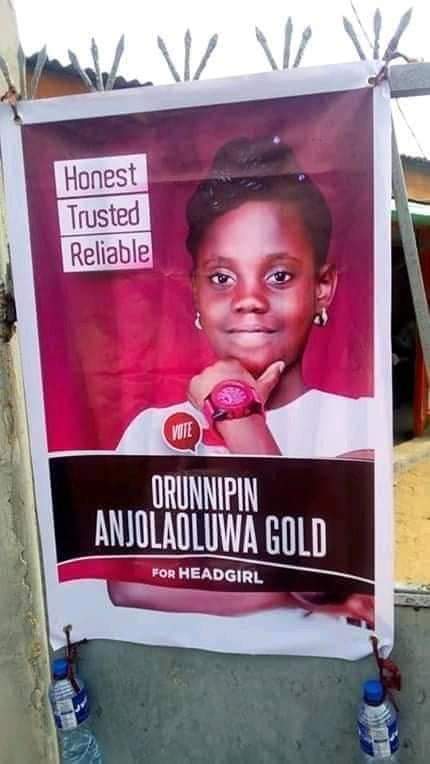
{"points": [[251, 300]]}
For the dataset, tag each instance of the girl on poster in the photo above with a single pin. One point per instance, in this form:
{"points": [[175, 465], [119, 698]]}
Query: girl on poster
{"points": [[259, 233]]}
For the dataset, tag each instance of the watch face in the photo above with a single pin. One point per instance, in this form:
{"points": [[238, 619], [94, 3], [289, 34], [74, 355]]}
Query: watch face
{"points": [[232, 394]]}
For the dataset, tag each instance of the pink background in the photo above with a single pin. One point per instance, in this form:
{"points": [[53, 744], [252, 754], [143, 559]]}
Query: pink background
{"points": [[113, 343]]}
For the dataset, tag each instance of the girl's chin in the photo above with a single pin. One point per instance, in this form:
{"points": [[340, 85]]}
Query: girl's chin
{"points": [[255, 366], [255, 363]]}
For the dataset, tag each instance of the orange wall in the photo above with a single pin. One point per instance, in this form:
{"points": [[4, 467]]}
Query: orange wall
{"points": [[52, 84], [418, 182]]}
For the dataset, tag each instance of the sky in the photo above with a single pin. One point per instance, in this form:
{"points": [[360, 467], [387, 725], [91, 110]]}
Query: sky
{"points": [[63, 24]]}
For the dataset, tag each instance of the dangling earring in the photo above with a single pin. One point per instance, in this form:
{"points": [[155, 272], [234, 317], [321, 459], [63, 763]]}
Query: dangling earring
{"points": [[197, 322], [321, 318]]}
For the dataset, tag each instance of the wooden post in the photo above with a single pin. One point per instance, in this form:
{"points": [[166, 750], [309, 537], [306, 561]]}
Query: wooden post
{"points": [[421, 390], [410, 250]]}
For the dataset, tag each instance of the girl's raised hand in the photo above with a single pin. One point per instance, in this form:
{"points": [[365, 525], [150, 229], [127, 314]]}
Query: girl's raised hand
{"points": [[202, 384]]}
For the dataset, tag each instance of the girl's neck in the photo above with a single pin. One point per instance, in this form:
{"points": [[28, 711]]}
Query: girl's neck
{"points": [[290, 386]]}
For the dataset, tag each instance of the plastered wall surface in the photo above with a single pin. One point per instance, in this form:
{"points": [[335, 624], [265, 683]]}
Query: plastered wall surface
{"points": [[171, 706], [26, 730], [26, 733], [412, 512]]}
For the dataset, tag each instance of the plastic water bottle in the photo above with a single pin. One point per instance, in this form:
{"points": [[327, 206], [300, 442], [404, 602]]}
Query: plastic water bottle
{"points": [[71, 711], [377, 725]]}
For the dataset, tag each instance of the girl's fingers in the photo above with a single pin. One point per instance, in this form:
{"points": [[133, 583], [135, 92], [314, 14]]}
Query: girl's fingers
{"points": [[269, 379], [192, 400], [361, 606]]}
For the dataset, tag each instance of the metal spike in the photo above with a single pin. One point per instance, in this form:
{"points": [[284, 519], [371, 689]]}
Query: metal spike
{"points": [[360, 24], [349, 29], [96, 59], [38, 69], [377, 25], [265, 45], [206, 56], [22, 65], [4, 69], [162, 45], [83, 75], [306, 36], [402, 25], [287, 43], [110, 82], [187, 47]]}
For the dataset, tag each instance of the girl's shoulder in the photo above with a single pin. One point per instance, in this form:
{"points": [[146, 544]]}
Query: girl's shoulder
{"points": [[318, 400], [332, 400], [320, 424]]}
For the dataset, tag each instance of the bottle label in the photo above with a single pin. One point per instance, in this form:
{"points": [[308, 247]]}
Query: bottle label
{"points": [[380, 740], [70, 712]]}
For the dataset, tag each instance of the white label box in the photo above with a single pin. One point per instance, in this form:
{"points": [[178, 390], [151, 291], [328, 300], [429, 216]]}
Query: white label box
{"points": [[101, 175], [104, 214], [129, 251]]}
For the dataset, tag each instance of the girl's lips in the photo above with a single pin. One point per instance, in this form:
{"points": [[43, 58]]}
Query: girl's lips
{"points": [[251, 338], [252, 330]]}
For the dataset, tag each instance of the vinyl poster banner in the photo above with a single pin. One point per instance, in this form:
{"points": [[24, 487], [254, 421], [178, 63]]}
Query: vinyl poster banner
{"points": [[202, 274]]}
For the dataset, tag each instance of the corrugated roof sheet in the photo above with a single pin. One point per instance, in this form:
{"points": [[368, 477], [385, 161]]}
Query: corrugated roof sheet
{"points": [[418, 162], [53, 65]]}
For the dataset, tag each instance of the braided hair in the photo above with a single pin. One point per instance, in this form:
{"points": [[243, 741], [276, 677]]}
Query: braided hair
{"points": [[246, 170]]}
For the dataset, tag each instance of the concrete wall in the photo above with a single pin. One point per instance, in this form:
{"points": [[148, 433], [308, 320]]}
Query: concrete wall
{"points": [[171, 706], [412, 512], [25, 726], [26, 731]]}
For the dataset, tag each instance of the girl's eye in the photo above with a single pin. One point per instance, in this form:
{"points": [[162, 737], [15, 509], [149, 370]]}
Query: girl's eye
{"points": [[221, 279], [279, 277]]}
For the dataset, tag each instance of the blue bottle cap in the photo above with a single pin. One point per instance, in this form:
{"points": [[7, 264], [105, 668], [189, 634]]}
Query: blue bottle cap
{"points": [[373, 692], [60, 668]]}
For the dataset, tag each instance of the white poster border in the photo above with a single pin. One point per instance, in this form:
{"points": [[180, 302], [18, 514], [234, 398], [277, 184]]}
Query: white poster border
{"points": [[182, 629]]}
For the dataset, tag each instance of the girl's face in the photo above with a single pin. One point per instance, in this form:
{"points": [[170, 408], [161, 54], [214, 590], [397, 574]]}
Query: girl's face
{"points": [[257, 287]]}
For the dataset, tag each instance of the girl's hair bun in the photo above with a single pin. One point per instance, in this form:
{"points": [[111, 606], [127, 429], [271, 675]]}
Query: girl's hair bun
{"points": [[261, 157], [263, 169]]}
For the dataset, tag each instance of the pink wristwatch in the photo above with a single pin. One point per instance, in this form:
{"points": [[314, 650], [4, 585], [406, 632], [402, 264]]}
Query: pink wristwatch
{"points": [[231, 399]]}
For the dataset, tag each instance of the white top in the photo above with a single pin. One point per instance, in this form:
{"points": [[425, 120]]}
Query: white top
{"points": [[316, 425]]}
